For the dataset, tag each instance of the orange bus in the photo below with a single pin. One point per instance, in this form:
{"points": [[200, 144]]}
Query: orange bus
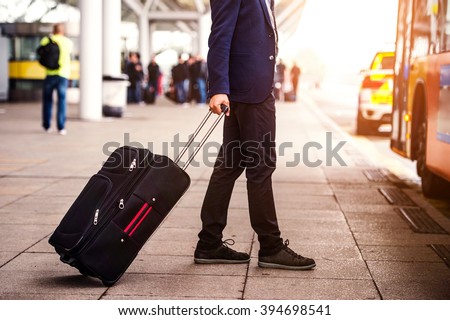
{"points": [[421, 97]]}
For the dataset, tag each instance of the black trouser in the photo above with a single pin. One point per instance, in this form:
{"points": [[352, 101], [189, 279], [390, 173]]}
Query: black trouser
{"points": [[248, 143]]}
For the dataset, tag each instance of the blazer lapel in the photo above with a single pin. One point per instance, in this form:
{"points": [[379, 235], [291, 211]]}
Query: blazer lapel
{"points": [[266, 11]]}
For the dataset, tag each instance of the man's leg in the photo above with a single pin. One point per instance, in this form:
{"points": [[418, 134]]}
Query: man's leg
{"points": [[62, 104], [181, 94], [226, 171], [257, 122], [259, 134], [47, 102]]}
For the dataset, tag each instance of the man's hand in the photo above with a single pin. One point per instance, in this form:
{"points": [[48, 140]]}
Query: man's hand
{"points": [[216, 101]]}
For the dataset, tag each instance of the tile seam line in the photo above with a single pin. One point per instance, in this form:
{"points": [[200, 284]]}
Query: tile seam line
{"points": [[33, 193], [24, 251], [310, 105], [359, 250], [248, 269]]}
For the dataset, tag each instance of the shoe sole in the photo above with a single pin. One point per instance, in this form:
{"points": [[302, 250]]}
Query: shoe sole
{"points": [[282, 266], [219, 261]]}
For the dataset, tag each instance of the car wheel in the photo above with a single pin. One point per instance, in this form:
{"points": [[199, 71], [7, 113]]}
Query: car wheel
{"points": [[363, 126]]}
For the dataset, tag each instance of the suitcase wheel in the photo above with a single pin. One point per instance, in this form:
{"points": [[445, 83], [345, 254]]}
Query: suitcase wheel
{"points": [[108, 283]]}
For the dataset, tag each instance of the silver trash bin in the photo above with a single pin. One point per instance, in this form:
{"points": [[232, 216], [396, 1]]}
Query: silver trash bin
{"points": [[114, 99]]}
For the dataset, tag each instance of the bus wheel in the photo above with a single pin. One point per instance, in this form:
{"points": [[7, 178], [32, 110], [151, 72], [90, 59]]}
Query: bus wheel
{"points": [[433, 186]]}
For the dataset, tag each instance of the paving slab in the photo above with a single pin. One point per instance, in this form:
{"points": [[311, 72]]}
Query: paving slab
{"points": [[155, 247], [38, 262], [30, 218], [368, 222], [306, 202], [48, 296], [299, 174], [65, 187], [295, 189], [22, 186], [40, 205], [295, 214], [352, 269], [345, 175], [236, 233], [42, 246], [195, 200], [179, 286], [404, 238], [358, 196], [333, 214], [6, 256], [317, 237], [408, 280], [414, 290], [12, 240], [183, 265], [409, 271], [305, 226], [46, 283], [399, 253], [332, 252], [373, 208], [258, 288], [7, 199]]}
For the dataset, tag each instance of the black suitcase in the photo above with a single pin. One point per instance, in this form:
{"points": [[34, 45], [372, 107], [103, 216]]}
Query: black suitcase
{"points": [[120, 208]]}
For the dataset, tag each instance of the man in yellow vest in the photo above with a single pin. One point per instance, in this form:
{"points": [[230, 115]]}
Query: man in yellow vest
{"points": [[57, 79]]}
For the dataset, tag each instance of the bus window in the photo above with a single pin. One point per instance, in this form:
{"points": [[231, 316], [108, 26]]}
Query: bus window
{"points": [[447, 29]]}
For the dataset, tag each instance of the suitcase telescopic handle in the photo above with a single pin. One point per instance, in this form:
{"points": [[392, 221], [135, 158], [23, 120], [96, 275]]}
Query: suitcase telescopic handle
{"points": [[224, 109]]}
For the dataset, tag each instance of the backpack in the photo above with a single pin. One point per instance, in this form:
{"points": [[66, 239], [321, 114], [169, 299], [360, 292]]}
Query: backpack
{"points": [[49, 55]]}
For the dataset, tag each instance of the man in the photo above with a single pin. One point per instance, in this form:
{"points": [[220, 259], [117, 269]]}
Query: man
{"points": [[135, 76], [57, 80], [280, 71], [179, 76], [295, 75], [153, 73], [241, 64]]}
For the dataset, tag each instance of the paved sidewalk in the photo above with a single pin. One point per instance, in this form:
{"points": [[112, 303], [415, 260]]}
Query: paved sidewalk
{"points": [[336, 214]]}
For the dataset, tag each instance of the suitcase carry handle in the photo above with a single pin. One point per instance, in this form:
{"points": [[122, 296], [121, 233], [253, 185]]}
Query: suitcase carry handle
{"points": [[206, 136]]}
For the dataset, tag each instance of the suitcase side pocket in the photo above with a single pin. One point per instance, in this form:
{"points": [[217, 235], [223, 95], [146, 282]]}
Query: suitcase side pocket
{"points": [[111, 254], [83, 214], [136, 219]]}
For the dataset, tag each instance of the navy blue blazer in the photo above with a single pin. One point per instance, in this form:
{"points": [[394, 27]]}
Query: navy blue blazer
{"points": [[241, 57]]}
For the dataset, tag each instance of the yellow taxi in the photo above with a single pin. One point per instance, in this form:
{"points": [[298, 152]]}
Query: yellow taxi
{"points": [[375, 94]]}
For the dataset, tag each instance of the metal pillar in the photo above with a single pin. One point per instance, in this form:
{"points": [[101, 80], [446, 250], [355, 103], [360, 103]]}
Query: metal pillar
{"points": [[111, 37], [151, 51], [90, 60], [204, 28], [144, 32]]}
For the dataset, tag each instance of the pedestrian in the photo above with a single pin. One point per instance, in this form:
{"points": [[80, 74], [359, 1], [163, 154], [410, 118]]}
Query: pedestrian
{"points": [[197, 80], [135, 74], [241, 64], [57, 79], [179, 77], [193, 74], [295, 76], [280, 71], [153, 75], [201, 80]]}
